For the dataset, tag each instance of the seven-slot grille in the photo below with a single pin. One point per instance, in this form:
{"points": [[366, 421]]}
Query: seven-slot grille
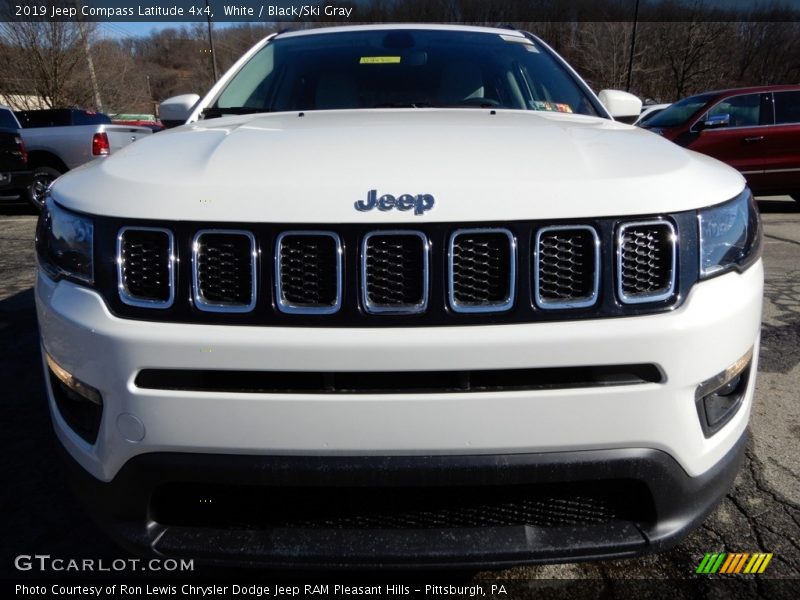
{"points": [[398, 270], [308, 268], [224, 270], [646, 261], [394, 272], [482, 270], [145, 262]]}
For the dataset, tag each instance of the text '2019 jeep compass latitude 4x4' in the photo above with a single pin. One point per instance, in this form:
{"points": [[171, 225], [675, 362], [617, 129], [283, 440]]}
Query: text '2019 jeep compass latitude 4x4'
{"points": [[401, 295]]}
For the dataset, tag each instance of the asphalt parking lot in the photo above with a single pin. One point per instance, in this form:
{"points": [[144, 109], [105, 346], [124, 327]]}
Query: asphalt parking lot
{"points": [[761, 514]]}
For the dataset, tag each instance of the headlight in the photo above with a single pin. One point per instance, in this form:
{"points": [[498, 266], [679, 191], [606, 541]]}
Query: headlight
{"points": [[64, 243], [730, 235]]}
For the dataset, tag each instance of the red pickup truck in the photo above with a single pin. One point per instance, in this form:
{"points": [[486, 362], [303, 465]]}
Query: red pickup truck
{"points": [[756, 130]]}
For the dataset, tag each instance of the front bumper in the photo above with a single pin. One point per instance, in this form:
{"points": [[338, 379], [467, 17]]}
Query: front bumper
{"points": [[717, 324], [643, 442], [668, 505]]}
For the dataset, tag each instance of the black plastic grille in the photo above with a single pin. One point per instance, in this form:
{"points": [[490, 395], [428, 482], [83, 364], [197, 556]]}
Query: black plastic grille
{"points": [[563, 505], [224, 269], [144, 270], [566, 266], [481, 269], [646, 261], [395, 271], [308, 270]]}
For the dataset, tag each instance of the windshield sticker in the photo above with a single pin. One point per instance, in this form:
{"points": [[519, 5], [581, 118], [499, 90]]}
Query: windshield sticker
{"points": [[379, 60], [552, 106]]}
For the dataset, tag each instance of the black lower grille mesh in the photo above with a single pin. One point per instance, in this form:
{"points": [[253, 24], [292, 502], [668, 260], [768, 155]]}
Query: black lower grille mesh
{"points": [[395, 270], [144, 264], [566, 265], [308, 270], [646, 260], [541, 505], [481, 270], [225, 269]]}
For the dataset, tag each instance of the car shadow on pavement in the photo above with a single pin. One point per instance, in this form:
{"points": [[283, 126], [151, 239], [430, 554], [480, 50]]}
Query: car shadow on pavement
{"points": [[40, 514]]}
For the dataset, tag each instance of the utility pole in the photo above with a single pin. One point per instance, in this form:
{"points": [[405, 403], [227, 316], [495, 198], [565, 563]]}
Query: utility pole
{"points": [[633, 46], [211, 44], [90, 63]]}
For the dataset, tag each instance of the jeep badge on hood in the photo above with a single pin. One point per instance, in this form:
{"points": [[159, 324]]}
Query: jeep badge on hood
{"points": [[420, 203]]}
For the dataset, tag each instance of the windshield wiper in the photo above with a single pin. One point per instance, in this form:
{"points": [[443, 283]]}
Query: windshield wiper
{"points": [[402, 105], [470, 103], [215, 111]]}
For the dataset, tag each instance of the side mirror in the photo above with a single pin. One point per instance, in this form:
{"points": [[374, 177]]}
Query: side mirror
{"points": [[174, 111], [716, 121], [621, 105]]}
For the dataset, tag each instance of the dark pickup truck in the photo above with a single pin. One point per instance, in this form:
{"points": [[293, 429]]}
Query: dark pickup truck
{"points": [[15, 174]]}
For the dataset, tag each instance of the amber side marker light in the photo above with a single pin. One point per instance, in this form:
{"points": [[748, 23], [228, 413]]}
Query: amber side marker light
{"points": [[79, 404], [719, 398]]}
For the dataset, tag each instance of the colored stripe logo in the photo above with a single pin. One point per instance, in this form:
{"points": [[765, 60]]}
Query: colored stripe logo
{"points": [[736, 562]]}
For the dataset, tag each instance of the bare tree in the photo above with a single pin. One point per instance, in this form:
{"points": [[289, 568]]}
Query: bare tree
{"points": [[42, 58], [603, 50], [690, 55]]}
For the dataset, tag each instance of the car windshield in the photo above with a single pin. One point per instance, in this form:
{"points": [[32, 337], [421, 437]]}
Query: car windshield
{"points": [[680, 112], [7, 120], [402, 68]]}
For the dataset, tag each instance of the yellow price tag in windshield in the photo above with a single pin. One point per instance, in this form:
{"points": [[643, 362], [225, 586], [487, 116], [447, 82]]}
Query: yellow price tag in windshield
{"points": [[379, 60]]}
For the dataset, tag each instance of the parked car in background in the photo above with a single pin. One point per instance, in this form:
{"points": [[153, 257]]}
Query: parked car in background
{"points": [[756, 130], [15, 175], [648, 112], [61, 139]]}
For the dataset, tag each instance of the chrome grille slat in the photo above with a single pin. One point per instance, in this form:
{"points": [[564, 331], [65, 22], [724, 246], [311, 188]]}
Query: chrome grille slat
{"points": [[394, 272], [308, 272], [224, 270], [146, 266], [646, 261], [566, 267], [481, 270]]}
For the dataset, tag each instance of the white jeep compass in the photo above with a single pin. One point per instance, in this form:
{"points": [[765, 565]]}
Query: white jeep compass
{"points": [[400, 295]]}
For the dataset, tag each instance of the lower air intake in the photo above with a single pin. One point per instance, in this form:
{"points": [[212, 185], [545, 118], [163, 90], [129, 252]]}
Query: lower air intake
{"points": [[541, 505]]}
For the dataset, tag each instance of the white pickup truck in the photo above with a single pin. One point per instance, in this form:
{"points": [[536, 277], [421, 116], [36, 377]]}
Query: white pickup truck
{"points": [[398, 295], [58, 140]]}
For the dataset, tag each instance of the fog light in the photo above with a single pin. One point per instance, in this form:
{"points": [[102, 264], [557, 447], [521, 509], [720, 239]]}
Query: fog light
{"points": [[717, 399], [79, 404]]}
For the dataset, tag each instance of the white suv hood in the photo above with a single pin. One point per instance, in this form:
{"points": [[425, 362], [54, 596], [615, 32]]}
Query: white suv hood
{"points": [[479, 166]]}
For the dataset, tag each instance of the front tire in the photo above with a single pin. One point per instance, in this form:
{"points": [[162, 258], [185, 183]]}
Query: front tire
{"points": [[42, 178]]}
